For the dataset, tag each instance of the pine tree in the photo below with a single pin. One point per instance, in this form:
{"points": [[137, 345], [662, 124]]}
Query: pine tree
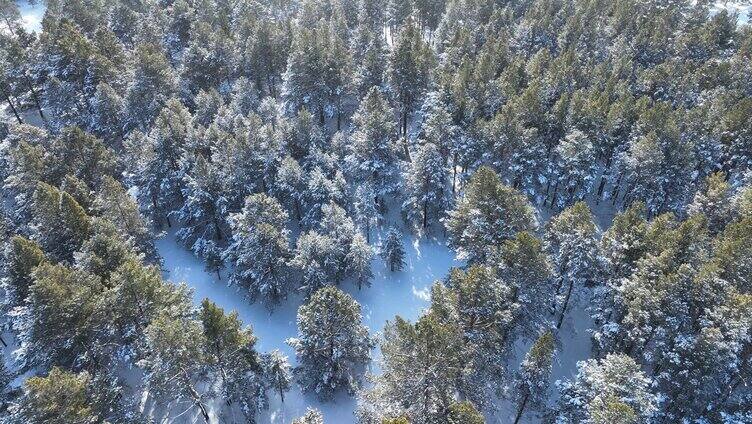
{"points": [[575, 168], [59, 223], [364, 204], [203, 212], [277, 372], [487, 214], [139, 295], [409, 71], [233, 358], [358, 260], [152, 85], [373, 155], [523, 264], [304, 81], [534, 375], [22, 256], [422, 364], [157, 167], [714, 202], [615, 382], [464, 413], [427, 188], [174, 363], [260, 248], [478, 304], [107, 118], [571, 241], [392, 251], [114, 204], [64, 317], [332, 346], [58, 398]]}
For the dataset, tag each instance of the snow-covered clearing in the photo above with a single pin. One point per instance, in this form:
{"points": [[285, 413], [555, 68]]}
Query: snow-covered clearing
{"points": [[405, 293]]}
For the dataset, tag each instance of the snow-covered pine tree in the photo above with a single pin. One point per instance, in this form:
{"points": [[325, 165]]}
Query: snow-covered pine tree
{"points": [[59, 224], [21, 257], [714, 201], [358, 260], [114, 204], [392, 251], [153, 83], [571, 239], [277, 372], [373, 155], [426, 187], [157, 161], [174, 363], [231, 354], [422, 364], [487, 214], [259, 249], [603, 387], [364, 205], [333, 346], [575, 170], [534, 376], [203, 213], [525, 267]]}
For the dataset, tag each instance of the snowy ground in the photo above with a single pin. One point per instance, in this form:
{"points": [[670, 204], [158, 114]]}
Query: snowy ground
{"points": [[405, 293], [31, 14]]}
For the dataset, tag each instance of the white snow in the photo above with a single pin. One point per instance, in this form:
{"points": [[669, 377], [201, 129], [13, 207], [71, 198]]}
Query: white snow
{"points": [[405, 293], [31, 14]]}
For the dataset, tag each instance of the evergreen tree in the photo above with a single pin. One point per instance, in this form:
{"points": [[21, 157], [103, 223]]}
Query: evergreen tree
{"points": [[534, 375], [174, 363], [152, 85], [233, 358], [373, 155], [359, 259], [601, 387], [114, 204], [426, 186], [571, 241], [523, 264], [203, 212], [58, 398], [487, 214], [63, 319], [714, 202], [364, 204], [22, 256], [157, 167], [576, 167], [422, 364], [259, 249], [409, 71], [59, 224], [332, 346], [392, 251], [277, 372]]}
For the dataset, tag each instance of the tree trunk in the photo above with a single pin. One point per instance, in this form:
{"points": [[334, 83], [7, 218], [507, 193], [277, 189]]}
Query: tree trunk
{"points": [[454, 173], [521, 409], [566, 303], [35, 96], [12, 107], [425, 213]]}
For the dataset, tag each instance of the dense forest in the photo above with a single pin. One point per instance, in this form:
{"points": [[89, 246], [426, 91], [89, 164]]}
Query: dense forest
{"points": [[576, 155]]}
